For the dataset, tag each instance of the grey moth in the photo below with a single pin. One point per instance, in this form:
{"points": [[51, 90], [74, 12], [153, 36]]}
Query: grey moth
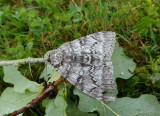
{"points": [[86, 63]]}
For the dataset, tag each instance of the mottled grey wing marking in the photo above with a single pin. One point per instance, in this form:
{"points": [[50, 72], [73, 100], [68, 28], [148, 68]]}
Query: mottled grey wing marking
{"points": [[85, 63]]}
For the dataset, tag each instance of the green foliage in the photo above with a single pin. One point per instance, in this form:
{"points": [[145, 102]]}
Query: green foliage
{"points": [[123, 66], [12, 75], [145, 105], [23, 92], [73, 110], [11, 100], [56, 106], [31, 28]]}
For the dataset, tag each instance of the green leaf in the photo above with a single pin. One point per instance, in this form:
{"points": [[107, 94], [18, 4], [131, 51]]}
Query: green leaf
{"points": [[11, 100], [23, 11], [73, 110], [66, 17], [126, 8], [55, 76], [46, 21], [21, 83], [122, 64], [146, 105], [47, 72], [133, 81], [29, 45], [57, 106], [143, 23]]}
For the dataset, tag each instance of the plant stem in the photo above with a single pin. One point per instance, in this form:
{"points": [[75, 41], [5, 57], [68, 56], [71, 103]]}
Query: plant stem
{"points": [[22, 61]]}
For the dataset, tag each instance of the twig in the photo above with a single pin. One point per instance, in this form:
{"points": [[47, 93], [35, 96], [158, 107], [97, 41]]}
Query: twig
{"points": [[22, 61], [74, 3], [36, 100]]}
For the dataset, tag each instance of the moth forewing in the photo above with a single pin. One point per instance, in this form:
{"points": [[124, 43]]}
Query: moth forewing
{"points": [[86, 63]]}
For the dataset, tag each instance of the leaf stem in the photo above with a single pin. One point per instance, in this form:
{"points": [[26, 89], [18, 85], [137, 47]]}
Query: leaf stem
{"points": [[110, 109]]}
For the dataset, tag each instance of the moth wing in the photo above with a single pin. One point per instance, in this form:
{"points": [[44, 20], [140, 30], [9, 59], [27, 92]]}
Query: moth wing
{"points": [[92, 80], [98, 43], [93, 74]]}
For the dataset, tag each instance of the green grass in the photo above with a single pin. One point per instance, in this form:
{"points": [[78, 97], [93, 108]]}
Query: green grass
{"points": [[30, 28]]}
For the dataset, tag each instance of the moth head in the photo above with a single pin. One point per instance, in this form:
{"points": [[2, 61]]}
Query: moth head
{"points": [[55, 58]]}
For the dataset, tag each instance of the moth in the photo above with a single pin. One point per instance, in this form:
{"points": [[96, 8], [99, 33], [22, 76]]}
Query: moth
{"points": [[86, 63]]}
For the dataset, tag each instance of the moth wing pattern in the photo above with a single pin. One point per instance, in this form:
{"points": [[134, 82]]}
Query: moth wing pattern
{"points": [[86, 63]]}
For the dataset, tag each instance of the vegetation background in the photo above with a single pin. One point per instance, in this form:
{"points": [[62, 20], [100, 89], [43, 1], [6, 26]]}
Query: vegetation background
{"points": [[30, 28]]}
